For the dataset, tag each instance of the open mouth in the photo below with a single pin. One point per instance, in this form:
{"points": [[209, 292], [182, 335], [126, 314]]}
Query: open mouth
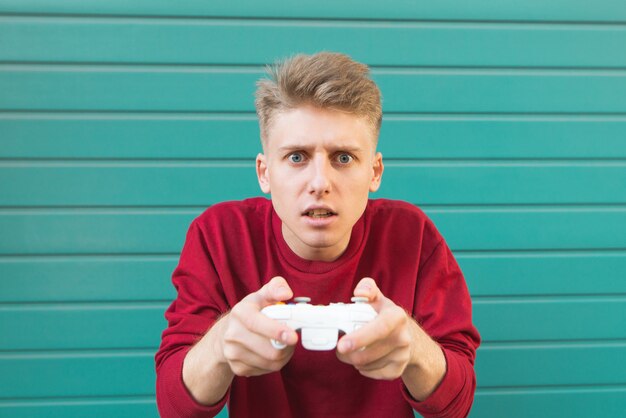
{"points": [[319, 213]]}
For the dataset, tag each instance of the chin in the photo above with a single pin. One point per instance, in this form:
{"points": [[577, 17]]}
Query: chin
{"points": [[319, 244], [316, 240]]}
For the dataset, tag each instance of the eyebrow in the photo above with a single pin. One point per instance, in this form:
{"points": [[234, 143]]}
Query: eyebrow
{"points": [[334, 148]]}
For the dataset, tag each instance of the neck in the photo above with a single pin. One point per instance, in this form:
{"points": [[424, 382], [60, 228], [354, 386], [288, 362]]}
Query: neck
{"points": [[326, 253]]}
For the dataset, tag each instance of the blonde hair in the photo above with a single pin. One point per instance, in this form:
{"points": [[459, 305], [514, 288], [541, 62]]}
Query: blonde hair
{"points": [[327, 80]]}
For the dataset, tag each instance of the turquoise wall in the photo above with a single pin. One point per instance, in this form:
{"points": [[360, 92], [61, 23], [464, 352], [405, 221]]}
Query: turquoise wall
{"points": [[121, 121]]}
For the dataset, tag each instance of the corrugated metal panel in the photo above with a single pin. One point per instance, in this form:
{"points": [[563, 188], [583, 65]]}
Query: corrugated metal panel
{"points": [[254, 42], [111, 88], [509, 10], [508, 119], [117, 135], [158, 230], [59, 326]]}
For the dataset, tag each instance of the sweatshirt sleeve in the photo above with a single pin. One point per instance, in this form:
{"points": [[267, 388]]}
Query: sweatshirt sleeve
{"points": [[443, 309], [198, 305]]}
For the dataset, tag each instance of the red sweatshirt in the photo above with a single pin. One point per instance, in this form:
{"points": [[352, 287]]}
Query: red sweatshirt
{"points": [[234, 248]]}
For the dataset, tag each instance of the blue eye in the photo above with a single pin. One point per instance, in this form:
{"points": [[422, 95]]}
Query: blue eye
{"points": [[296, 157], [344, 158]]}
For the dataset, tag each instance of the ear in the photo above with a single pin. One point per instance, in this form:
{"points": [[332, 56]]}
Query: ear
{"points": [[262, 173], [377, 168]]}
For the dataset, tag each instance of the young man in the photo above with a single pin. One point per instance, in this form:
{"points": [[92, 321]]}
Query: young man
{"points": [[320, 236]]}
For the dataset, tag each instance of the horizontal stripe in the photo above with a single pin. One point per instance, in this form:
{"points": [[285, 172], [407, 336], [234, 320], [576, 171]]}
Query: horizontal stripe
{"points": [[104, 375], [514, 403], [81, 327], [121, 183], [133, 375], [224, 90], [552, 345], [127, 400], [251, 116], [565, 401], [142, 351], [163, 231], [250, 42], [243, 21], [128, 136], [87, 279], [532, 10], [75, 354], [74, 308], [99, 408], [552, 319], [544, 273], [139, 325], [147, 278], [238, 163], [186, 209], [566, 389], [259, 69], [576, 365]]}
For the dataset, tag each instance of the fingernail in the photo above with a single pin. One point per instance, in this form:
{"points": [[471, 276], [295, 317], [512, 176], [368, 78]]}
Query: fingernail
{"points": [[365, 288], [346, 345]]}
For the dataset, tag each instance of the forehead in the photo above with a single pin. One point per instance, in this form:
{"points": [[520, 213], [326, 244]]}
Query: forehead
{"points": [[314, 126]]}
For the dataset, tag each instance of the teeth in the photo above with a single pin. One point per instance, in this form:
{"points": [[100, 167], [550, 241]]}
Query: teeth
{"points": [[319, 213]]}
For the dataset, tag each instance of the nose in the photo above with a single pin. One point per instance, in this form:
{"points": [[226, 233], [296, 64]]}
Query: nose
{"points": [[320, 182]]}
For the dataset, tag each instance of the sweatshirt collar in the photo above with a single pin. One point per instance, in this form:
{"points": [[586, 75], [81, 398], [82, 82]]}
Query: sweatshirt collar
{"points": [[314, 266]]}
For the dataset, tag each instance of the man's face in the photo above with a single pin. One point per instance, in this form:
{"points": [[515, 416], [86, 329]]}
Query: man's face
{"points": [[319, 166]]}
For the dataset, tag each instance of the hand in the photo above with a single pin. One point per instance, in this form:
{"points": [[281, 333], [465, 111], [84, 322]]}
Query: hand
{"points": [[239, 344], [393, 345], [246, 333], [382, 348]]}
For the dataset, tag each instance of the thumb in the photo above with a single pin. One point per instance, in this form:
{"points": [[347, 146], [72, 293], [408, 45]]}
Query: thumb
{"points": [[276, 290], [367, 288]]}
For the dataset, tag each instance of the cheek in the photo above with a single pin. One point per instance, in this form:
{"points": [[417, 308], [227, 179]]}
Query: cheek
{"points": [[361, 184], [284, 195]]}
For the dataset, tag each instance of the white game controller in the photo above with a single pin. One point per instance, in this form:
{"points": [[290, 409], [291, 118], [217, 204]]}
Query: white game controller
{"points": [[320, 325]]}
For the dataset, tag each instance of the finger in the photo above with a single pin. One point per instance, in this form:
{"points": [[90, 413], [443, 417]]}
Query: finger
{"points": [[391, 371], [368, 355], [250, 363], [392, 357], [263, 356], [255, 322], [257, 343], [366, 288], [266, 349], [248, 311], [388, 367], [380, 328], [243, 369], [255, 366], [256, 352], [268, 359], [276, 290]]}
